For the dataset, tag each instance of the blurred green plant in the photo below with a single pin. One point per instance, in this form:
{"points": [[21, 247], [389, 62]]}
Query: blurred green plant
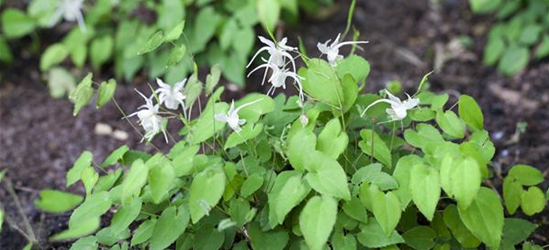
{"points": [[520, 34], [117, 32]]}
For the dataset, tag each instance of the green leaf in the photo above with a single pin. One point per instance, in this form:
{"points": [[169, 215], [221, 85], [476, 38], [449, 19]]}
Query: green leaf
{"points": [[530, 34], [79, 230], [270, 240], [425, 189], [249, 131], [493, 50], [387, 210], [107, 237], [89, 179], [205, 26], [54, 201], [176, 55], [350, 92], [531, 246], [125, 215], [317, 221], [135, 180], [380, 150], [484, 217], [420, 237], [143, 232], [514, 60], [206, 125], [543, 49], [451, 124], [250, 185], [60, 82], [53, 55], [206, 190], [115, 156], [512, 194], [465, 181], [213, 79], [183, 162], [373, 236], [105, 93], [101, 49], [426, 135], [15, 23], [343, 242], [459, 230], [355, 65], [175, 33], [532, 201], [170, 225], [288, 191], [86, 243], [208, 238], [332, 141], [326, 176], [402, 176], [484, 6], [268, 12], [93, 207], [161, 178], [252, 113], [153, 43], [516, 231], [321, 83], [526, 175], [300, 145], [83, 94], [356, 210], [81, 163], [470, 113]]}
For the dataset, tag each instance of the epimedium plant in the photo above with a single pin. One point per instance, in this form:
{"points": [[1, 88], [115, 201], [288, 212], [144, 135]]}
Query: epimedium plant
{"points": [[329, 168], [109, 31], [520, 34]]}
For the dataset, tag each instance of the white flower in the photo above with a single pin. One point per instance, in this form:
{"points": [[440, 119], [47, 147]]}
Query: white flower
{"points": [[149, 118], [171, 96], [398, 110], [279, 76], [277, 51], [232, 116], [333, 50], [70, 10]]}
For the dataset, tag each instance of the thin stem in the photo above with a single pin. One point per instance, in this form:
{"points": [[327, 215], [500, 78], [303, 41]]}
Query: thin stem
{"points": [[26, 221]]}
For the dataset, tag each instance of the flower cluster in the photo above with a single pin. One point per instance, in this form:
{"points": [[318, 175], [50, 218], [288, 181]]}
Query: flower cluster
{"points": [[149, 114], [398, 110], [278, 61], [70, 10]]}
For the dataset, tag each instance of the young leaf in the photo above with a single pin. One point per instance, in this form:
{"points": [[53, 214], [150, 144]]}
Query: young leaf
{"points": [[317, 221], [83, 94], [89, 179], [332, 141], [53, 201], [135, 180], [484, 217], [322, 83], [153, 43], [356, 210], [514, 59], [16, 23], [268, 12], [532, 201], [81, 163], [53, 55], [526, 175], [250, 185], [466, 180], [161, 178], [206, 190], [512, 194], [354, 65], [171, 224], [176, 55], [289, 190], [402, 176], [101, 49], [143, 232], [470, 113], [93, 207], [387, 210], [326, 176], [105, 92], [86, 243], [380, 150], [115, 156], [213, 79], [125, 215], [451, 124], [300, 145], [175, 33], [425, 189]]}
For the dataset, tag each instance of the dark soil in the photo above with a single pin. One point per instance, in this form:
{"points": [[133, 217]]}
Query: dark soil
{"points": [[40, 139]]}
